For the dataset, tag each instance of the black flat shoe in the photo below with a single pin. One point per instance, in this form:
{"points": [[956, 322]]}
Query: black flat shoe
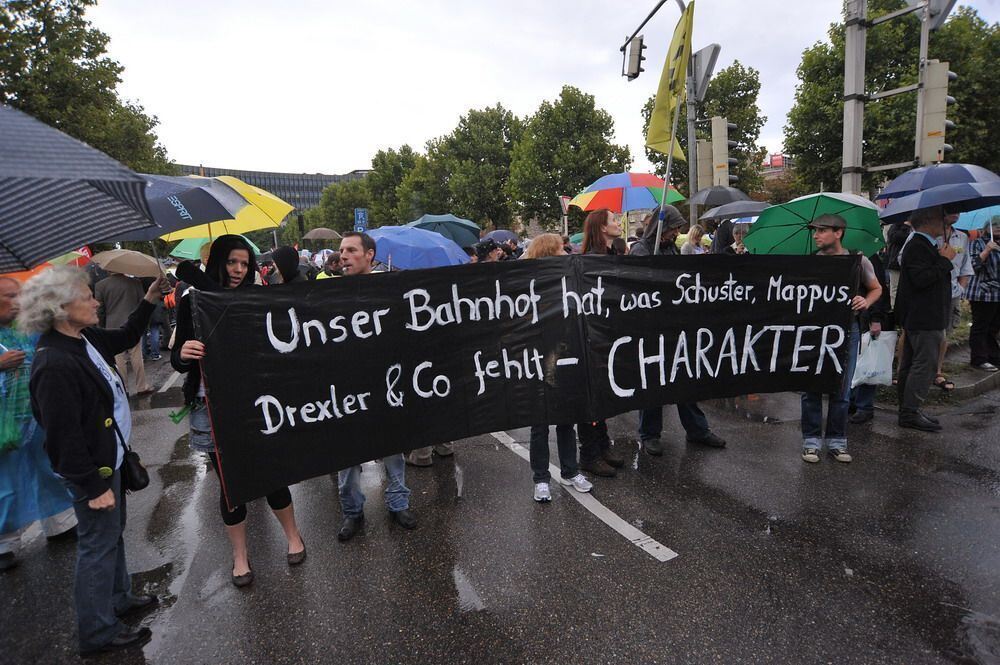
{"points": [[244, 580], [711, 439], [139, 604], [404, 518], [129, 637], [918, 422], [350, 527], [295, 558]]}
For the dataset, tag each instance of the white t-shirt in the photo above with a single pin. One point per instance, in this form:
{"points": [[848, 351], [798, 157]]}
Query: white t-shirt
{"points": [[123, 415]]}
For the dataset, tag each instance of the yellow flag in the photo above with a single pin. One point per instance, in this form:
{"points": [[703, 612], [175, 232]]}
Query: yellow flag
{"points": [[671, 89]]}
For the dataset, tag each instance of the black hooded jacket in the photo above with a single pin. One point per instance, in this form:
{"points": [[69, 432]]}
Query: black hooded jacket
{"points": [[212, 279]]}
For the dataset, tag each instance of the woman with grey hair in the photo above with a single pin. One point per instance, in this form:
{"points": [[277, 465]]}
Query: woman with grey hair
{"points": [[79, 399]]}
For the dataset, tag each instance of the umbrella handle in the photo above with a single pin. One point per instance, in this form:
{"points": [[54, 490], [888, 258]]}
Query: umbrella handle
{"points": [[156, 255]]}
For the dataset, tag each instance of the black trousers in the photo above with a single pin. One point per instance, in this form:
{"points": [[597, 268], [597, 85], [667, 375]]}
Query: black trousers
{"points": [[983, 344], [278, 500], [594, 440], [917, 367]]}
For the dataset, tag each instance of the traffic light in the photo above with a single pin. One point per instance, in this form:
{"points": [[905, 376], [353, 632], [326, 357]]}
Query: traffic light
{"points": [[721, 144], [704, 163], [635, 58], [934, 123]]}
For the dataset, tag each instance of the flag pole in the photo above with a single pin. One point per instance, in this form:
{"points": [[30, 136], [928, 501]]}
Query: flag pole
{"points": [[666, 177]]}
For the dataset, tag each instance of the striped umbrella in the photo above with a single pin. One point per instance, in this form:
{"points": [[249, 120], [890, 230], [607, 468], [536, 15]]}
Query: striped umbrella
{"points": [[621, 192], [57, 193]]}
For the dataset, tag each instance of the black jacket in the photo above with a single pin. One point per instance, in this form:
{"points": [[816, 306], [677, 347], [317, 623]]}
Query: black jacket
{"points": [[185, 328], [923, 301], [74, 404]]}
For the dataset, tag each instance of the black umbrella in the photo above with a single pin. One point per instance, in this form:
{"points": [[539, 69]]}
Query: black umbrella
{"points": [[57, 193], [735, 209], [717, 196], [961, 197], [935, 175]]}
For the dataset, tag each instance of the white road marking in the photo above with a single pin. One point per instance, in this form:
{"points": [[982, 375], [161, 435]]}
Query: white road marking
{"points": [[655, 549], [170, 382], [567, 361]]}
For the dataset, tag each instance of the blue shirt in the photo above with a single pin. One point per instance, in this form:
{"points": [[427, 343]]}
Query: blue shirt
{"points": [[123, 415]]}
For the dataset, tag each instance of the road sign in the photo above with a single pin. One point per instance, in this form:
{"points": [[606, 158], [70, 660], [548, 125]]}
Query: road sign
{"points": [[361, 219]]}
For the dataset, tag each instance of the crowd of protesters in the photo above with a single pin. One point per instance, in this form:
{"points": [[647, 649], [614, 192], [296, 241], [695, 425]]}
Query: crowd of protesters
{"points": [[66, 368]]}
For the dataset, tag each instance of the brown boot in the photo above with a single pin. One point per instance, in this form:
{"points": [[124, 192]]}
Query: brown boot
{"points": [[613, 457], [598, 468]]}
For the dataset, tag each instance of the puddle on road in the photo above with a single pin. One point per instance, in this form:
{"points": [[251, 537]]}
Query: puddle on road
{"points": [[156, 582], [988, 479], [468, 599], [459, 480]]}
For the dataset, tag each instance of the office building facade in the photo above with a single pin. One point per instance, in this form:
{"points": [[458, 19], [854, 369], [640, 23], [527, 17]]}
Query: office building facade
{"points": [[302, 190]]}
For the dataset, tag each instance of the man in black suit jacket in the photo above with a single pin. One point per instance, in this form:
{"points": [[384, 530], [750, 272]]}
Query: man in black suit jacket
{"points": [[923, 305]]}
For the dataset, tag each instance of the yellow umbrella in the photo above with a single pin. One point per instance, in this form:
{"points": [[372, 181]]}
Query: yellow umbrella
{"points": [[264, 211]]}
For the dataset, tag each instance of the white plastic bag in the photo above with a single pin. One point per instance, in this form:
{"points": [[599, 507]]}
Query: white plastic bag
{"points": [[875, 360]]}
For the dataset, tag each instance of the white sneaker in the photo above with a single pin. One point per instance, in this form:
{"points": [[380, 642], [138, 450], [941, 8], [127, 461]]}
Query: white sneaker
{"points": [[542, 494], [578, 482]]}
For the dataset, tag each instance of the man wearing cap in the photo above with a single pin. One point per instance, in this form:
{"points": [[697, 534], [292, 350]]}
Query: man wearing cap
{"points": [[828, 234], [923, 306], [692, 418]]}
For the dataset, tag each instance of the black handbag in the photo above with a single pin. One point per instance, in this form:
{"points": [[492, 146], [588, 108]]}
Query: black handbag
{"points": [[135, 477]]}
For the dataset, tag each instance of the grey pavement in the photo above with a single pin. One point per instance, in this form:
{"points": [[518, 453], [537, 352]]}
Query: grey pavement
{"points": [[890, 559]]}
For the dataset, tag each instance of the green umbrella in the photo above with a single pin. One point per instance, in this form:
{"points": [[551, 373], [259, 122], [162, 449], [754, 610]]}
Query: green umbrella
{"points": [[190, 248], [784, 229], [576, 238]]}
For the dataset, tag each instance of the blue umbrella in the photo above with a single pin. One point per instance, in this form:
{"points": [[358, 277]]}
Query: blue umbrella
{"points": [[925, 177], [501, 235], [463, 231], [410, 248], [962, 197], [976, 219]]}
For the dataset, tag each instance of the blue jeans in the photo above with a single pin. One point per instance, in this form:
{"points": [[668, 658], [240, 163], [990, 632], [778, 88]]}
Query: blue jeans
{"points": [[836, 413], [102, 580], [397, 494], [152, 344], [863, 398], [693, 421], [565, 443]]}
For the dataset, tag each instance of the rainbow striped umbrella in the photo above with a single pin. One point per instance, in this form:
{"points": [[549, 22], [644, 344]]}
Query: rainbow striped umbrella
{"points": [[621, 192]]}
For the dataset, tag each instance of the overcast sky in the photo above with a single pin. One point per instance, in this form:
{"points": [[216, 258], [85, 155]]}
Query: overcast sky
{"points": [[320, 85]]}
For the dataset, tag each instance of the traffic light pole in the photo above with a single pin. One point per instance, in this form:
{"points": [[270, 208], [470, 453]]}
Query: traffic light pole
{"points": [[692, 112], [925, 32], [854, 94]]}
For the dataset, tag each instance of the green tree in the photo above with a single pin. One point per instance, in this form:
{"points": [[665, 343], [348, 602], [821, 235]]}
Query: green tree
{"points": [[335, 210], [389, 167], [425, 187], [476, 157], [732, 93], [53, 65], [566, 145], [814, 130]]}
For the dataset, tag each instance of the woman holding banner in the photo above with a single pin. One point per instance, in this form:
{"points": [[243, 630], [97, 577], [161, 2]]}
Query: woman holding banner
{"points": [[231, 265], [549, 244], [597, 454]]}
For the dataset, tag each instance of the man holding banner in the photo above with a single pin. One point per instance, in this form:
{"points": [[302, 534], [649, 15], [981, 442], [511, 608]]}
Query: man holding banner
{"points": [[357, 252], [828, 232]]}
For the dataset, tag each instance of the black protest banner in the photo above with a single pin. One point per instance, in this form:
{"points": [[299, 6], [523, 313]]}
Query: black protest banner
{"points": [[305, 379]]}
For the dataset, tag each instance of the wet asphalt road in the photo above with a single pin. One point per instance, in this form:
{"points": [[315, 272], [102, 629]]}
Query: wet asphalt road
{"points": [[891, 559]]}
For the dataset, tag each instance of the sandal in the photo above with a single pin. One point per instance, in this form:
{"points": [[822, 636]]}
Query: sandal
{"points": [[942, 382]]}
